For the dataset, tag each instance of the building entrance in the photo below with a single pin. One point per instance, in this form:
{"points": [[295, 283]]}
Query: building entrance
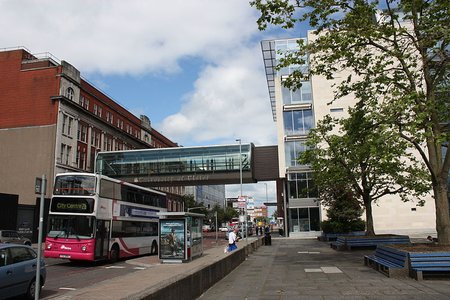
{"points": [[304, 219]]}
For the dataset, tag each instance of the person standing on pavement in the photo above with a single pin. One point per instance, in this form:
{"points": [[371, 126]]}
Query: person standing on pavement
{"points": [[232, 239]]}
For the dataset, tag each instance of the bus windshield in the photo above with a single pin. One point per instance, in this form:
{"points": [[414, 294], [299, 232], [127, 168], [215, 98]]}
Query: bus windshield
{"points": [[77, 227], [74, 185]]}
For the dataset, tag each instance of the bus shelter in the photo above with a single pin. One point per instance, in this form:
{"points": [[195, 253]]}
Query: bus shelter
{"points": [[180, 236]]}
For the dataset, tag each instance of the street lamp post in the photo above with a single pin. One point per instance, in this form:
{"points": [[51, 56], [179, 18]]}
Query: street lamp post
{"points": [[267, 198], [217, 227], [240, 177]]}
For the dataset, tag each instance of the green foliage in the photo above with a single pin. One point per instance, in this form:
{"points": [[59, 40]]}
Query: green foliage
{"points": [[329, 226], [223, 215], [395, 61], [366, 158], [189, 201], [344, 211], [342, 205]]}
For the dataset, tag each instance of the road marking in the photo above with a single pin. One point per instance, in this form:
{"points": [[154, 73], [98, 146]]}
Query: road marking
{"points": [[69, 289], [139, 268], [313, 270], [308, 252], [115, 267], [331, 270], [326, 270]]}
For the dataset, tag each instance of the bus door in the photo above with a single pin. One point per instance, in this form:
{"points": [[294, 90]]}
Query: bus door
{"points": [[102, 239]]}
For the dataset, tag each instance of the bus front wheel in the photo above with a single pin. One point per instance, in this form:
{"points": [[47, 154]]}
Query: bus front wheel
{"points": [[114, 253]]}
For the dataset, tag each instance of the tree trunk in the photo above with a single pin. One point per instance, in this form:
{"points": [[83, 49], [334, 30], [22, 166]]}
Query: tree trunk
{"points": [[369, 218], [442, 211]]}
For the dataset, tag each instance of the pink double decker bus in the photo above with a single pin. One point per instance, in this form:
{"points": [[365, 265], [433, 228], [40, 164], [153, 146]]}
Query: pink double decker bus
{"points": [[93, 217]]}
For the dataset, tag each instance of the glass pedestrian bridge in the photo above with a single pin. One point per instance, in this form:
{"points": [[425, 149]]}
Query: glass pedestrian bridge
{"points": [[179, 166]]}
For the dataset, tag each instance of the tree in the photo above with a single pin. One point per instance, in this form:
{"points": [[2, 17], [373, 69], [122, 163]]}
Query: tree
{"points": [[223, 215], [230, 213], [344, 210], [398, 60], [365, 157], [189, 201]]}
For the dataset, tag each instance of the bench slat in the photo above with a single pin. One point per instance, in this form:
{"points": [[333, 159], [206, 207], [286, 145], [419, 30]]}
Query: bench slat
{"points": [[430, 264], [420, 255], [432, 269], [430, 259], [387, 260]]}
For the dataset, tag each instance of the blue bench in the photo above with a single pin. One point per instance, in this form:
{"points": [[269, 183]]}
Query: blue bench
{"points": [[387, 260], [349, 242], [436, 263], [331, 237]]}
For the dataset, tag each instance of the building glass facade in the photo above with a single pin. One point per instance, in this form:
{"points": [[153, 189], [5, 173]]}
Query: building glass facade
{"points": [[292, 150], [209, 195], [182, 160], [301, 210], [298, 122]]}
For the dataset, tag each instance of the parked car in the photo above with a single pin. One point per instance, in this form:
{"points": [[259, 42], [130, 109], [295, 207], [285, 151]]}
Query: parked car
{"points": [[11, 236], [206, 228], [224, 229], [18, 271]]}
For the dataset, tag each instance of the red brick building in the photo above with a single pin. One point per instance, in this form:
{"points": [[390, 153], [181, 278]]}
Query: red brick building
{"points": [[54, 121]]}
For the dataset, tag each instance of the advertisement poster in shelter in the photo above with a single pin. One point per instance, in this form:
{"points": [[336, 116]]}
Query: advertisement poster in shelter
{"points": [[172, 239]]}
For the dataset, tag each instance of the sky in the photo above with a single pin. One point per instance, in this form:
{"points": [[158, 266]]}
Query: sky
{"points": [[194, 67]]}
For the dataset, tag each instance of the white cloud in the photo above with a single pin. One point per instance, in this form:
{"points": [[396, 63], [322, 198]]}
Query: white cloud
{"points": [[230, 98], [230, 101], [127, 37]]}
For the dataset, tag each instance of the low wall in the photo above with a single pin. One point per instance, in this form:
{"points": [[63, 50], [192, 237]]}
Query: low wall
{"points": [[193, 285]]}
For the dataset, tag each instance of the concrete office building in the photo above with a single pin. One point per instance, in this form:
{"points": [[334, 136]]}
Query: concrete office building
{"points": [[53, 121], [295, 113], [209, 195]]}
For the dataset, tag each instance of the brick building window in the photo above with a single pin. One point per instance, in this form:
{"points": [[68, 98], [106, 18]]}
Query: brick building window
{"points": [[84, 102], [98, 138], [97, 110], [65, 154], [68, 155], [61, 154], [81, 158], [69, 93], [120, 123], [82, 132], [67, 125], [108, 143]]}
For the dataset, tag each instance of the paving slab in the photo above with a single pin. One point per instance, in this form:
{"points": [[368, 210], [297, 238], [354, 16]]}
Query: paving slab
{"points": [[310, 269]]}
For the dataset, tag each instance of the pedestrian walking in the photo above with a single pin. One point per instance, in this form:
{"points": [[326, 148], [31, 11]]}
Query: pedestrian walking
{"points": [[232, 239]]}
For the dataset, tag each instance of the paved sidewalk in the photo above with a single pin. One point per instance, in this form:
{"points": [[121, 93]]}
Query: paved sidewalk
{"points": [[289, 269], [144, 283], [309, 269]]}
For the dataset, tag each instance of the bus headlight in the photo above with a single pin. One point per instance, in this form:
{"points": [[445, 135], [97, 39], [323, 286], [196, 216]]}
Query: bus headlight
{"points": [[83, 248], [49, 246]]}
